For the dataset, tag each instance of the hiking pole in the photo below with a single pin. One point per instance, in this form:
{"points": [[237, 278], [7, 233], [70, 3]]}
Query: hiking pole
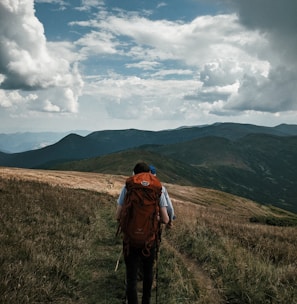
{"points": [[157, 251], [118, 261], [157, 257], [124, 299]]}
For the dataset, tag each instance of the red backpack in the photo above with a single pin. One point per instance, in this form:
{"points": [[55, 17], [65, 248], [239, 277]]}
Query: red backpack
{"points": [[139, 220]]}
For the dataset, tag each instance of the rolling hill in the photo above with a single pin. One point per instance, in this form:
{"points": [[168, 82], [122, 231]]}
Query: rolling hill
{"points": [[250, 161], [259, 167]]}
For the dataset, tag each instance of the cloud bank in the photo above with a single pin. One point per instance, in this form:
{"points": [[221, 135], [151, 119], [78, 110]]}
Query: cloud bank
{"points": [[28, 63], [277, 23], [125, 65], [215, 54]]}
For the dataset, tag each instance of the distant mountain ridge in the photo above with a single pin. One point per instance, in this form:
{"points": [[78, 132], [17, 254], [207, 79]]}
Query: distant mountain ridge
{"points": [[75, 147], [247, 160], [26, 141]]}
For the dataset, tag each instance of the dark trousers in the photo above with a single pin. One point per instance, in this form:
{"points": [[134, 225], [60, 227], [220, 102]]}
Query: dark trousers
{"points": [[134, 261]]}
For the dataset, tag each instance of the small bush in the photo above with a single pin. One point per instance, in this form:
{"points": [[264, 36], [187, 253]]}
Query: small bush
{"points": [[275, 221]]}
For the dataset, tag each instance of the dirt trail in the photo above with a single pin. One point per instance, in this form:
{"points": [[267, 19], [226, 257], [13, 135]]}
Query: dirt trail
{"points": [[208, 294]]}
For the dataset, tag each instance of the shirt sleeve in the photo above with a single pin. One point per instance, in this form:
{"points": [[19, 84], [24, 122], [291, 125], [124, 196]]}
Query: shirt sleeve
{"points": [[170, 209], [121, 197], [163, 202]]}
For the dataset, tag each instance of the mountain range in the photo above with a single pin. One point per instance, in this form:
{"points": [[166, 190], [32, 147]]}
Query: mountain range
{"points": [[256, 162]]}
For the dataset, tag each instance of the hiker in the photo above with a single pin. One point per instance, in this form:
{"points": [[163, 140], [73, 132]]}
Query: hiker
{"points": [[170, 209], [135, 256]]}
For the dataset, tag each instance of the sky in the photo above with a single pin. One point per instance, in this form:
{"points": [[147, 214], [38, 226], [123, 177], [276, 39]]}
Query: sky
{"points": [[149, 65]]}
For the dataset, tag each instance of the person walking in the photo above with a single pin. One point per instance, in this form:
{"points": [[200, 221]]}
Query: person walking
{"points": [[170, 209], [139, 193]]}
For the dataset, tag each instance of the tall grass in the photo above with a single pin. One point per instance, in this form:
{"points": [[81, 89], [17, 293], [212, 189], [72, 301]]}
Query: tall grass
{"points": [[58, 245], [46, 238], [249, 262]]}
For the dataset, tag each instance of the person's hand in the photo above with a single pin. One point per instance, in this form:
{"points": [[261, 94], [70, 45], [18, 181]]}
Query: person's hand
{"points": [[169, 225]]}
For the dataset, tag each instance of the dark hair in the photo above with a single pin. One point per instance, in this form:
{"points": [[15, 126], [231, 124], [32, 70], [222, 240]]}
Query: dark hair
{"points": [[141, 167]]}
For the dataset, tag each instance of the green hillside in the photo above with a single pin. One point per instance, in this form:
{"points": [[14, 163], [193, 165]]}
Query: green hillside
{"points": [[259, 167], [122, 163], [58, 245]]}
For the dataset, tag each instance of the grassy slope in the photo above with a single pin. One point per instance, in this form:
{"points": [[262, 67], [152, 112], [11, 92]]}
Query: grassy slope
{"points": [[58, 245], [258, 167], [122, 163]]}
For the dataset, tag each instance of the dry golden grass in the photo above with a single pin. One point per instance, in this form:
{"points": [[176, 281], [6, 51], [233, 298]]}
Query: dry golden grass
{"points": [[248, 262], [45, 236], [58, 244]]}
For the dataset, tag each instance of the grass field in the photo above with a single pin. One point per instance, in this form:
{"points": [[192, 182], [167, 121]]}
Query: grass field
{"points": [[58, 245]]}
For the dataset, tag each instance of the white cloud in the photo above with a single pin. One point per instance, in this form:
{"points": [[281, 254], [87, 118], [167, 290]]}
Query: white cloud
{"points": [[28, 62], [180, 72], [50, 1], [8, 99], [62, 4], [49, 107], [274, 91], [134, 97], [144, 65], [161, 4], [88, 4], [97, 43], [274, 94]]}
